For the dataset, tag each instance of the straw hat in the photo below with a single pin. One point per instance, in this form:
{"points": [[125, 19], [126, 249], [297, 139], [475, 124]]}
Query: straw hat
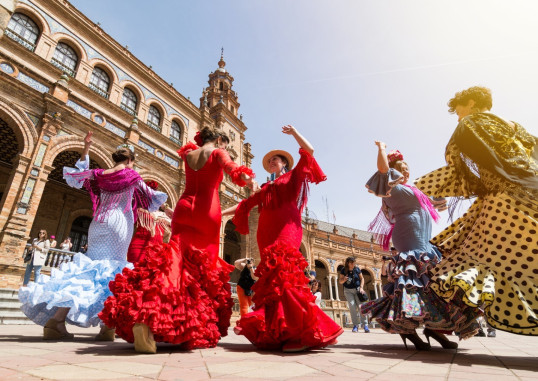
{"points": [[279, 152]]}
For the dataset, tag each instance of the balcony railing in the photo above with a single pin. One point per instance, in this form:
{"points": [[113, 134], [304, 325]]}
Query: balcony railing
{"points": [[98, 90], [175, 140], [128, 109], [55, 257], [24, 42], [154, 126], [61, 66]]}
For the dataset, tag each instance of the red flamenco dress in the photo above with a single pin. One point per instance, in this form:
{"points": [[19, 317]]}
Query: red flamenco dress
{"points": [[285, 315], [180, 290]]}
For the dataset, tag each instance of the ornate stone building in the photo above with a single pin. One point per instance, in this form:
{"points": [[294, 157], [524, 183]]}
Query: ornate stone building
{"points": [[61, 75]]}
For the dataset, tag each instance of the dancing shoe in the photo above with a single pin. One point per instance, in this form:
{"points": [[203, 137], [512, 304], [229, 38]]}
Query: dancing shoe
{"points": [[416, 340], [293, 346], [440, 338], [481, 333], [492, 333], [366, 329], [355, 329], [143, 339], [51, 331], [106, 334]]}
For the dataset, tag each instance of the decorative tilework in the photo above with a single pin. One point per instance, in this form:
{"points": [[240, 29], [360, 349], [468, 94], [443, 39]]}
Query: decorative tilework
{"points": [[159, 154], [40, 155], [98, 119], [62, 133], [46, 138], [170, 160], [118, 131], [32, 83], [79, 109], [33, 118], [28, 191], [146, 146], [7, 68], [34, 172]]}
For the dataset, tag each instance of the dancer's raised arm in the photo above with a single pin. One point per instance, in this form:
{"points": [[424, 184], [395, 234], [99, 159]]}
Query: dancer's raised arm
{"points": [[87, 143], [382, 160], [301, 140]]}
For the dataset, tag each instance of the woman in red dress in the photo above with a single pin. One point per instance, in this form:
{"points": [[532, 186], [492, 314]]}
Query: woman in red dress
{"points": [[151, 227], [285, 315], [179, 293]]}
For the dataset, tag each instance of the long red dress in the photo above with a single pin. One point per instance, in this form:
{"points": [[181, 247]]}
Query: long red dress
{"points": [[151, 228], [285, 309], [180, 290]]}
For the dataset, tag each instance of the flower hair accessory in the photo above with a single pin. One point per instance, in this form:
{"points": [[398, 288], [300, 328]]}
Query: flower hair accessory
{"points": [[130, 147], [152, 184], [198, 139], [394, 156]]}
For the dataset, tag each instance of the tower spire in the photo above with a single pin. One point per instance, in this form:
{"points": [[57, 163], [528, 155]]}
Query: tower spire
{"points": [[221, 62]]}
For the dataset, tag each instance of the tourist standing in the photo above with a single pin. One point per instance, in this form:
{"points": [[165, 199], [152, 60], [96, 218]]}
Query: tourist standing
{"points": [[245, 283], [351, 279], [40, 249]]}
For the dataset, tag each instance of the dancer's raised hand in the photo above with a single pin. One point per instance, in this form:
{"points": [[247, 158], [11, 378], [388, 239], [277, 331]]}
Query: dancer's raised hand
{"points": [[380, 144], [87, 143], [289, 129]]}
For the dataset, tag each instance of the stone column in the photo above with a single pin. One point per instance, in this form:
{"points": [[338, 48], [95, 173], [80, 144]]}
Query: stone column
{"points": [[375, 290], [336, 287], [329, 278]]}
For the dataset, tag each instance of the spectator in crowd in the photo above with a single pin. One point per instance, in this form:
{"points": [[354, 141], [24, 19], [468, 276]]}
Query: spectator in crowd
{"points": [[53, 242], [316, 290], [245, 283], [66, 244], [40, 248], [353, 281]]}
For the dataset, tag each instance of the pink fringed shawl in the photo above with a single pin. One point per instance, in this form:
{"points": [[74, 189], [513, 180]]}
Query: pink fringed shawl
{"points": [[115, 184], [383, 225]]}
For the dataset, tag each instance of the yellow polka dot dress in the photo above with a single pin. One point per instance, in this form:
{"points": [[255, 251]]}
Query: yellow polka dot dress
{"points": [[491, 252]]}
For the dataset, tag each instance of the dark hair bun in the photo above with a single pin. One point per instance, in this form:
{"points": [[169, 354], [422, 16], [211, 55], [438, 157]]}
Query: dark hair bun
{"points": [[208, 134], [122, 154]]}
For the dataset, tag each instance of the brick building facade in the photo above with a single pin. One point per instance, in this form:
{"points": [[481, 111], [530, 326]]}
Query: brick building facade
{"points": [[61, 75]]}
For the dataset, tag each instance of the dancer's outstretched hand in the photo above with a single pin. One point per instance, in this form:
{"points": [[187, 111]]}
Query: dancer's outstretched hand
{"points": [[88, 139], [380, 144], [289, 130]]}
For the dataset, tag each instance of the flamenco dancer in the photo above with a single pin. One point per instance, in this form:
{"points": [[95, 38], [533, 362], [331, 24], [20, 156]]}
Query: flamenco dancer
{"points": [[285, 315], [76, 292], [491, 252], [406, 217], [151, 227], [179, 292]]}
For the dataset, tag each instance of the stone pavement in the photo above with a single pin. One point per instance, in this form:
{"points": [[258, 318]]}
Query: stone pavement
{"points": [[375, 356]]}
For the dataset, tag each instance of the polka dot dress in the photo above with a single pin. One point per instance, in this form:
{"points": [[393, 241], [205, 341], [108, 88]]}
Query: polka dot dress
{"points": [[491, 253]]}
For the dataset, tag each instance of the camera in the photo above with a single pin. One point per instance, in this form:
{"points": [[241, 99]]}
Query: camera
{"points": [[386, 258], [249, 261]]}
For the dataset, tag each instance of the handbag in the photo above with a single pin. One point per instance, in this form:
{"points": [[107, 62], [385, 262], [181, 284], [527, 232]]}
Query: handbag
{"points": [[362, 296], [28, 255]]}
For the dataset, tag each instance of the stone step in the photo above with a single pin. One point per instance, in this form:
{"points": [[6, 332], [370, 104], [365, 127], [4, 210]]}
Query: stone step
{"points": [[9, 304], [8, 293], [15, 321], [12, 314]]}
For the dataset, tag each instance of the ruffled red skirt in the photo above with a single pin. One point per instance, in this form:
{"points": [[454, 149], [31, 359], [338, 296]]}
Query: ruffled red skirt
{"points": [[181, 294], [142, 239], [284, 308]]}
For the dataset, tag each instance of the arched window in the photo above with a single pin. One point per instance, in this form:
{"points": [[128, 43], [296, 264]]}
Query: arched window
{"points": [[22, 29], [129, 101], [65, 59], [154, 118], [175, 132], [100, 82]]}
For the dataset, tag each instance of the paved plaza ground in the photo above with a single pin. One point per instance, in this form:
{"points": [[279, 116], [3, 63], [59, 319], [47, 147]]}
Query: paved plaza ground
{"points": [[357, 356]]}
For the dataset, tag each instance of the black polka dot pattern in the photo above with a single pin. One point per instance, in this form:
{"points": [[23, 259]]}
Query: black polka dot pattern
{"points": [[491, 253]]}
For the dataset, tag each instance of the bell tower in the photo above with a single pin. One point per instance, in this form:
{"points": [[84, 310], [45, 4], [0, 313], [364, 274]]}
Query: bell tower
{"points": [[219, 92]]}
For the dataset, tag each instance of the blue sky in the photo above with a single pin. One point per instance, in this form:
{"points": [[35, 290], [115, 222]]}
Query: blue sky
{"points": [[344, 73]]}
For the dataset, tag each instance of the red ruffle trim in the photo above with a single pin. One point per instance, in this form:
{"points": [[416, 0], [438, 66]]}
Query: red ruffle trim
{"points": [[236, 173], [285, 309], [313, 171], [190, 146], [184, 297], [240, 219]]}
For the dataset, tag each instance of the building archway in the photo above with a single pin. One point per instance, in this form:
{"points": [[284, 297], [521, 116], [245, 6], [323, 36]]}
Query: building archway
{"points": [[59, 200], [340, 286], [9, 150], [369, 283], [79, 232], [322, 274]]}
